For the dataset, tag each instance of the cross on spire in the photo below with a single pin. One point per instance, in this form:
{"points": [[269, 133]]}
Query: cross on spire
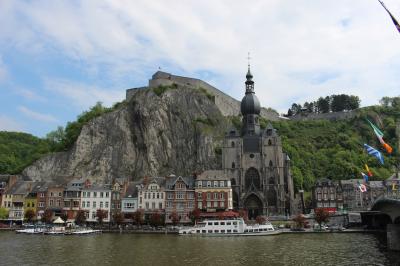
{"points": [[248, 59]]}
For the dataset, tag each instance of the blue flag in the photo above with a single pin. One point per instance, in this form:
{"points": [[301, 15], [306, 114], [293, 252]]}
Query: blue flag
{"points": [[374, 152], [365, 177]]}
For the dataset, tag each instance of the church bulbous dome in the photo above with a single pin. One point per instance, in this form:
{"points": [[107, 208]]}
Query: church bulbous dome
{"points": [[250, 104]]}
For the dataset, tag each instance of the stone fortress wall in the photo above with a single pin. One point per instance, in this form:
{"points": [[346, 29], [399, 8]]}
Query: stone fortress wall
{"points": [[325, 116], [226, 104]]}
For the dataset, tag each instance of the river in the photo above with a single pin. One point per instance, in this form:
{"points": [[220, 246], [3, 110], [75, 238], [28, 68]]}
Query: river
{"points": [[134, 249]]}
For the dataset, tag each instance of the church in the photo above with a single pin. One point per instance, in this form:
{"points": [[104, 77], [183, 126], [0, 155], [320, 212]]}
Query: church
{"points": [[254, 161]]}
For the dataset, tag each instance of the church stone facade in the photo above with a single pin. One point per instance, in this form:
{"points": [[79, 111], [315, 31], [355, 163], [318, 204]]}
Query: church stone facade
{"points": [[253, 159]]}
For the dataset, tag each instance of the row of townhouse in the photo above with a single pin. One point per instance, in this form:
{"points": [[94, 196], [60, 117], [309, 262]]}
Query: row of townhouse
{"points": [[346, 194], [175, 197]]}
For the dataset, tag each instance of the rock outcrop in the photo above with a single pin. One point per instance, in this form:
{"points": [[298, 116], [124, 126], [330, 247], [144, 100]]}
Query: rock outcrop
{"points": [[176, 131]]}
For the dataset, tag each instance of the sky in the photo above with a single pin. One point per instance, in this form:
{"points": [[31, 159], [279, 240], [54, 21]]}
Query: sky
{"points": [[58, 58]]}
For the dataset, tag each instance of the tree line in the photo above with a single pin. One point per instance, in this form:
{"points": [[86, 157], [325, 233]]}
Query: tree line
{"points": [[333, 103]]}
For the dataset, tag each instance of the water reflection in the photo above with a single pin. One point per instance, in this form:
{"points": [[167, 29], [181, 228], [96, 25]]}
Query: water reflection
{"points": [[115, 249]]}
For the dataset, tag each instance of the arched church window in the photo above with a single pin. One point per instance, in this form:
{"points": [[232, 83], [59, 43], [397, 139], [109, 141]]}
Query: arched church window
{"points": [[233, 182], [270, 163], [269, 132], [271, 181], [233, 165], [233, 144], [252, 178], [269, 142]]}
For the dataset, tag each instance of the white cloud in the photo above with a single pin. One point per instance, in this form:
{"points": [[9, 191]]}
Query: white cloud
{"points": [[47, 118], [300, 51], [29, 94], [8, 124], [83, 95]]}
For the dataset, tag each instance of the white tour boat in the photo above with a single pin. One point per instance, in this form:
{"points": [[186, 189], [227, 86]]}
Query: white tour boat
{"points": [[231, 227]]}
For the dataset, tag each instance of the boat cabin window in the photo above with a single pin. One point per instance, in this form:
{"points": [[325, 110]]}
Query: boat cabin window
{"points": [[229, 231], [209, 223], [222, 231], [203, 231], [228, 223], [222, 223], [197, 231], [234, 223], [210, 231], [216, 231], [216, 223], [235, 231]]}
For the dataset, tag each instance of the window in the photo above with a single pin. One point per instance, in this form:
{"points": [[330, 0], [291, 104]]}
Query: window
{"points": [[88, 204], [145, 195], [200, 205], [107, 194], [160, 205], [51, 194], [221, 184], [215, 195], [180, 195], [83, 204], [162, 195], [215, 183], [222, 204], [59, 203], [153, 205], [93, 215], [147, 205], [169, 204], [208, 183], [190, 195], [208, 195], [232, 144], [221, 195], [106, 203], [101, 205], [199, 195], [170, 195], [59, 194], [94, 204], [158, 195], [199, 184], [94, 194], [101, 194], [190, 204], [208, 204]]}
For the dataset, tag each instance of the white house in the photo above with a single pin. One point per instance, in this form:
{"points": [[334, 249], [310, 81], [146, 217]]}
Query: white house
{"points": [[96, 197], [151, 195]]}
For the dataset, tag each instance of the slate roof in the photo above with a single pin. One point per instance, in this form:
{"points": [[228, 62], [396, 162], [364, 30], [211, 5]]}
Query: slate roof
{"points": [[212, 174], [131, 190], [170, 181], [20, 188]]}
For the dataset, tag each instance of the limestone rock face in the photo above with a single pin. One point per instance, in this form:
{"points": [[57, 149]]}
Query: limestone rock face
{"points": [[178, 132]]}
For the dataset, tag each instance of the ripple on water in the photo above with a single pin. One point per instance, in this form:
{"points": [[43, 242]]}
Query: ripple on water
{"points": [[126, 249]]}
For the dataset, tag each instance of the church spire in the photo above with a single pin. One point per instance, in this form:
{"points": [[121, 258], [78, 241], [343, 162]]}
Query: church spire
{"points": [[249, 78]]}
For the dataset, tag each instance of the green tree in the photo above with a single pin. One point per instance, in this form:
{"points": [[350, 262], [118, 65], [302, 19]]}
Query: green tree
{"points": [[323, 104], [3, 213]]}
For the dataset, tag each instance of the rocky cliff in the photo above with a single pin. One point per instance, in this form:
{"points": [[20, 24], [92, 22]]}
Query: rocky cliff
{"points": [[175, 131]]}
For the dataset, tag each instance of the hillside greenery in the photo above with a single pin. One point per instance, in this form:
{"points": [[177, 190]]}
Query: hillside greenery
{"points": [[318, 149], [18, 150]]}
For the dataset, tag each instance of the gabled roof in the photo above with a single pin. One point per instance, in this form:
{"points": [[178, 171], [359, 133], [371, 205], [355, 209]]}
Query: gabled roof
{"points": [[132, 190], [188, 180], [20, 188], [212, 175]]}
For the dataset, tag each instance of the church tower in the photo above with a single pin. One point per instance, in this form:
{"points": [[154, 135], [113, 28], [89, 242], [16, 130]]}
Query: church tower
{"points": [[252, 158]]}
